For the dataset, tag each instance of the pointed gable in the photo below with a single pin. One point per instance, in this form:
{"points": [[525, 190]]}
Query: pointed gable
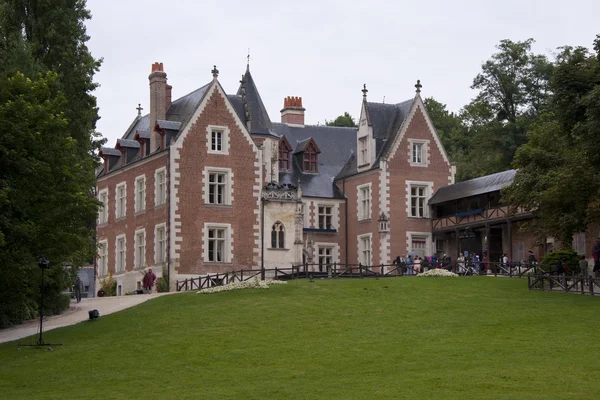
{"points": [[255, 114]]}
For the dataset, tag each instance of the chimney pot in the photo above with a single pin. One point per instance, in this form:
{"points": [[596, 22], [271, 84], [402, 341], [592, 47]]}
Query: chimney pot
{"points": [[292, 112]]}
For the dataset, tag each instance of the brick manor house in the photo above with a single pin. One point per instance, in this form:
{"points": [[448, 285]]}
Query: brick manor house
{"points": [[208, 183]]}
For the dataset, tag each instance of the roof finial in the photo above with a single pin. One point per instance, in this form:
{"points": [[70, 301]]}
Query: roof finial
{"points": [[215, 72], [364, 90], [418, 86], [139, 108], [383, 99], [248, 60]]}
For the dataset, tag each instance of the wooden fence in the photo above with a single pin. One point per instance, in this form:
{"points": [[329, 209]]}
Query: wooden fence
{"points": [[564, 283]]}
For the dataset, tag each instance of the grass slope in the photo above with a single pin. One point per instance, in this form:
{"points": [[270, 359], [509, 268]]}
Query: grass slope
{"points": [[463, 338]]}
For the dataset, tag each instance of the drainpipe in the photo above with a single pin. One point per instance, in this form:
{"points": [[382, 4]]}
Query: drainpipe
{"points": [[262, 238], [169, 220], [346, 225]]}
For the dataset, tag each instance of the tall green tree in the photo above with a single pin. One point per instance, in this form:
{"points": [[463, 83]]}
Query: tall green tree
{"points": [[343, 120]]}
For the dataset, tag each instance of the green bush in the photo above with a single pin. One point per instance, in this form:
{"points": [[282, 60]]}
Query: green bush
{"points": [[569, 256], [162, 285], [109, 286]]}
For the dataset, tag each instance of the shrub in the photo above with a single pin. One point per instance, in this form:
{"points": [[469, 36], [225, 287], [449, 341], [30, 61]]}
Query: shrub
{"points": [[109, 286], [162, 285], [569, 257]]}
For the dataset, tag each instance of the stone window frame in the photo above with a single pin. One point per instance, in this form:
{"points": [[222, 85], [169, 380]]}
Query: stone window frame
{"points": [[121, 209], [103, 257], [228, 198], [160, 195], [360, 202], [228, 242], [334, 253], [118, 267], [425, 146], [136, 261], [363, 153], [278, 235], [361, 239], [158, 258], [224, 130], [104, 209], [137, 206], [428, 193]]}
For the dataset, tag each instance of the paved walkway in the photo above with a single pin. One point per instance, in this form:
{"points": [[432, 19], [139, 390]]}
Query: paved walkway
{"points": [[75, 314]]}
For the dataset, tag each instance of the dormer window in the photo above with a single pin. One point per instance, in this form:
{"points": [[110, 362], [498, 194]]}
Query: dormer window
{"points": [[310, 159], [363, 152], [284, 155]]}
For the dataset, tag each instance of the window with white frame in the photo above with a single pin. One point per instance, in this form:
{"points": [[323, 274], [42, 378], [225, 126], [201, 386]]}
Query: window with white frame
{"points": [[216, 141], [103, 209], [418, 201], [365, 249], [218, 138], [121, 194], [278, 236], [325, 257], [417, 153], [160, 240], [364, 202], [326, 217], [418, 245], [363, 151], [160, 187], [140, 193], [121, 253], [102, 258], [140, 249], [217, 244], [579, 243], [217, 188]]}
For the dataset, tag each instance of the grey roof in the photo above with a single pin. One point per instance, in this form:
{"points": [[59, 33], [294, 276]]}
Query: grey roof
{"points": [[259, 118], [171, 125], [138, 124], [335, 143], [474, 187], [109, 151], [301, 145], [386, 120], [144, 134], [128, 143]]}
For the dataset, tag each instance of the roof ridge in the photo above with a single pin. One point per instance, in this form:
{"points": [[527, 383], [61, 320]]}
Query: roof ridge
{"points": [[186, 95]]}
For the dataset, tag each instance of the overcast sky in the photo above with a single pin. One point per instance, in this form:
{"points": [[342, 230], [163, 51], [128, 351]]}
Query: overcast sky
{"points": [[320, 50]]}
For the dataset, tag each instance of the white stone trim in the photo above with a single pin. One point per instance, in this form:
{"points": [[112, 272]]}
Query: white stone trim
{"points": [[359, 239], [335, 254], [335, 213], [228, 185], [156, 172], [117, 186], [117, 238], [425, 157], [103, 244], [228, 253], [132, 165], [428, 194], [428, 241], [225, 142], [359, 216], [135, 248], [135, 193], [105, 207], [384, 206], [156, 228]]}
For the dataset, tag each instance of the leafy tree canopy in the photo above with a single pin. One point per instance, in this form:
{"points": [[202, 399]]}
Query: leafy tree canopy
{"points": [[343, 120]]}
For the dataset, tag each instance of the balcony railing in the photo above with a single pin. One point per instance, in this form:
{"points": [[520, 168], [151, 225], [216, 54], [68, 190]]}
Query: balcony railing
{"points": [[480, 216]]}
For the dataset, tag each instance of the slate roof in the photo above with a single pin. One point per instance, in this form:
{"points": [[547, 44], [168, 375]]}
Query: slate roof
{"points": [[386, 120], [260, 123], [171, 125], [128, 143], [143, 134], [474, 187], [335, 143], [109, 151]]}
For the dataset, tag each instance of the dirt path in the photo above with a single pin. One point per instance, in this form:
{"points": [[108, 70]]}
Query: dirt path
{"points": [[75, 314]]}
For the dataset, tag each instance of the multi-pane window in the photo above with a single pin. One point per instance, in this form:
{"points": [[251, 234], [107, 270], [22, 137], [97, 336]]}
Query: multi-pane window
{"points": [[140, 249], [417, 153], [325, 217], [277, 236], [365, 250], [102, 258], [418, 245], [439, 246], [161, 187], [121, 200], [325, 257], [140, 193], [120, 254], [418, 201], [216, 244], [216, 140], [103, 210], [217, 188], [579, 243], [284, 155], [160, 244], [310, 159], [364, 203], [363, 155]]}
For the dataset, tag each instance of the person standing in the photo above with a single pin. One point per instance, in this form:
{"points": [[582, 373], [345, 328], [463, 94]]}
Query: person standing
{"points": [[531, 259], [409, 264], [505, 263], [417, 263], [583, 266], [148, 282], [78, 288], [425, 264], [596, 255]]}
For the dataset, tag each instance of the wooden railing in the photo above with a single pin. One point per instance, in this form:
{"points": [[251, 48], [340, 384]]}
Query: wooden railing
{"points": [[564, 283], [486, 215]]}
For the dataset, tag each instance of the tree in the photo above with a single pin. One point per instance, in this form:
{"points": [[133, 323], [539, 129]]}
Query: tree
{"points": [[343, 120], [448, 126]]}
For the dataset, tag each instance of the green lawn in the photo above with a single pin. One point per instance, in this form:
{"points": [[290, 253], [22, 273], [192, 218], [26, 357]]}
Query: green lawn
{"points": [[401, 338]]}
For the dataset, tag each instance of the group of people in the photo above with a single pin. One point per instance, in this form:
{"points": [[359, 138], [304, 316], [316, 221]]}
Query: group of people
{"points": [[413, 264]]}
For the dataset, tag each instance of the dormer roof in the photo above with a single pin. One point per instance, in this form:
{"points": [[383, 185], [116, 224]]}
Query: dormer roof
{"points": [[109, 151], [127, 143], [303, 144]]}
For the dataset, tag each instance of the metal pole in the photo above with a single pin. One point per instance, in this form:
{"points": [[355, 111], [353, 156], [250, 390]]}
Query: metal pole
{"points": [[40, 340], [262, 239]]}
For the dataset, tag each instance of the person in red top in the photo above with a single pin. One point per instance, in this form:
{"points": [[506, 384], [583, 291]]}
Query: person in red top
{"points": [[148, 281]]}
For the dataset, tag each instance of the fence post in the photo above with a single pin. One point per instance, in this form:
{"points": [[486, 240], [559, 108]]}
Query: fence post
{"points": [[591, 285], [334, 269], [275, 272]]}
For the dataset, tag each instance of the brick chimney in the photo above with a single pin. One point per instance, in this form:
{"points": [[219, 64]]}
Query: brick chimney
{"points": [[168, 90], [158, 101], [292, 112]]}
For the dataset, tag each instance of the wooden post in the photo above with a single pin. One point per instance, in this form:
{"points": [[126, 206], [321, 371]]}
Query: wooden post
{"points": [[510, 252], [275, 272], [457, 243]]}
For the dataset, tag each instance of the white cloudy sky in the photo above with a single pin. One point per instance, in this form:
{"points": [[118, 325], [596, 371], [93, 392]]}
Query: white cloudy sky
{"points": [[320, 50]]}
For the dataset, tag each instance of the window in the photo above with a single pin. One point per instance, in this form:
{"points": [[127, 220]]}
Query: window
{"points": [[364, 202], [140, 193], [277, 236], [102, 258], [121, 253], [216, 187], [121, 200], [363, 152], [418, 201], [419, 245], [216, 245], [417, 153], [310, 158], [365, 250], [284, 155], [216, 141], [325, 216], [160, 177], [439, 246], [159, 243], [579, 243], [325, 258], [140, 249], [103, 209]]}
